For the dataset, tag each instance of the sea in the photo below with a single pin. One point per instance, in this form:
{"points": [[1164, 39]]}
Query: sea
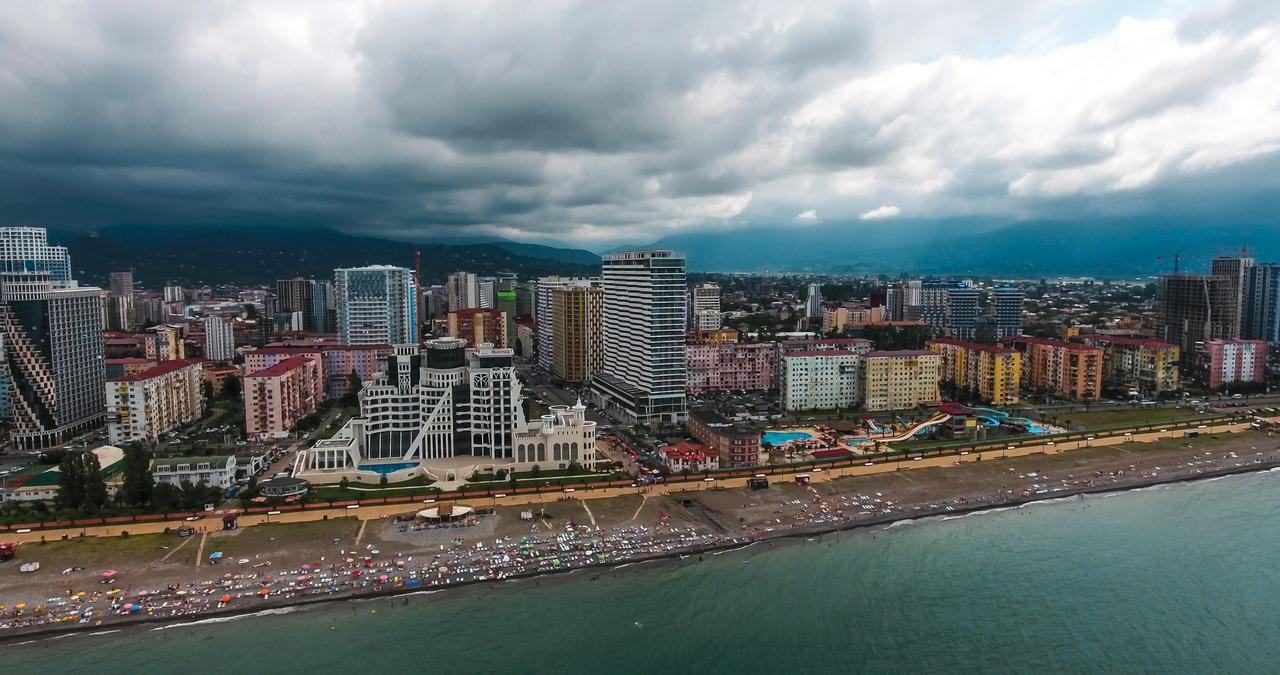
{"points": [[1177, 578]]}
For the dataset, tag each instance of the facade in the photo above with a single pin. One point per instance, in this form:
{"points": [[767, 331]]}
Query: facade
{"points": [[26, 250], [1222, 363], [644, 324], [684, 457], [993, 373], [337, 362], [164, 343], [53, 344], [897, 380], [1262, 303], [142, 406], [822, 380], [577, 331], [1196, 308], [1236, 271], [212, 471], [376, 305], [1147, 365], [813, 304], [725, 366], [962, 313], [736, 445], [311, 299], [219, 339], [705, 307], [544, 321], [1067, 369], [462, 291], [276, 398], [1007, 311], [453, 412], [479, 326]]}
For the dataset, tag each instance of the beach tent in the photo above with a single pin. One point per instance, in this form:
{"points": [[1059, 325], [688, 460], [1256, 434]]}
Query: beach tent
{"points": [[215, 557]]}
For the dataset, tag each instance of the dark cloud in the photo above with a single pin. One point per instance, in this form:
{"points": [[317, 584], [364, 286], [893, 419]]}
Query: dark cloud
{"points": [[593, 122]]}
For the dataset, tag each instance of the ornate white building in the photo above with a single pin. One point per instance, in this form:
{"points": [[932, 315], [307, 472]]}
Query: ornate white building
{"points": [[448, 412]]}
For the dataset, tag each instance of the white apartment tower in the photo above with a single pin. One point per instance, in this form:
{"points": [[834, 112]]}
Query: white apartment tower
{"points": [[644, 372], [543, 319], [705, 305], [376, 305], [219, 339]]}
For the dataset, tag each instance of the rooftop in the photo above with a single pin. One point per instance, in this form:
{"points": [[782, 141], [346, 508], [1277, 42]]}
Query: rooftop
{"points": [[976, 346], [282, 367], [212, 460], [161, 369]]}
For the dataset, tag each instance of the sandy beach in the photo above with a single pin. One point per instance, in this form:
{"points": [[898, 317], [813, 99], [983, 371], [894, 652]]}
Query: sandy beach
{"points": [[284, 564]]}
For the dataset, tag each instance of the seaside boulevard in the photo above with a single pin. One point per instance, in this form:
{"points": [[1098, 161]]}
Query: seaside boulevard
{"points": [[624, 527]]}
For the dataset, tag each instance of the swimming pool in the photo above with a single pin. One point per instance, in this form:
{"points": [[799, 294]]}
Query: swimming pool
{"points": [[387, 468], [776, 438]]}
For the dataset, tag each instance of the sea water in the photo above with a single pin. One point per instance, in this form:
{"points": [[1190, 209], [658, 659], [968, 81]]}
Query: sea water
{"points": [[1181, 579]]}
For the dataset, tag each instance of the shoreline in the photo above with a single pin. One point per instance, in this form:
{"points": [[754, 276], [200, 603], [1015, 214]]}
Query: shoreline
{"points": [[56, 631]]}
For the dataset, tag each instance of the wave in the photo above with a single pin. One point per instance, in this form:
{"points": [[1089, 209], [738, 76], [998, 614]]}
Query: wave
{"points": [[1068, 498], [983, 512], [274, 611]]}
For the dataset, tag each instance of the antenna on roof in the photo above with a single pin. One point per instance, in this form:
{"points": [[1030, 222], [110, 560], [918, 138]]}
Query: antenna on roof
{"points": [[1177, 260]]}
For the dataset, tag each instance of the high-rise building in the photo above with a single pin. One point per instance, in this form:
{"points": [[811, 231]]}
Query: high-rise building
{"points": [[51, 331], [462, 290], [1007, 311], [1262, 303], [931, 306], [309, 298], [479, 326], [27, 249], [1236, 272], [705, 307], [219, 339], [577, 312], [124, 311], [962, 312], [543, 320], [174, 294], [278, 397], [1143, 364], [821, 379], [487, 288], [813, 304], [323, 310], [1195, 308], [376, 305], [644, 373]]}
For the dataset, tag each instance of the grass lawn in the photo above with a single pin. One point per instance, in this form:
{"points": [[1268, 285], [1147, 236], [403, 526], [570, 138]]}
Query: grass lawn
{"points": [[409, 488], [248, 541], [1137, 416]]}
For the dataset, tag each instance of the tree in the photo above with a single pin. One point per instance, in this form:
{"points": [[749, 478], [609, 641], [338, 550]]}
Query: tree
{"points": [[138, 480], [206, 389], [382, 480], [354, 386], [70, 483], [574, 468], [344, 484], [535, 471], [231, 387], [95, 489]]}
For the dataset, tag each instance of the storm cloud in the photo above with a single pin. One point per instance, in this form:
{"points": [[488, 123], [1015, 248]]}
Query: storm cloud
{"points": [[596, 123]]}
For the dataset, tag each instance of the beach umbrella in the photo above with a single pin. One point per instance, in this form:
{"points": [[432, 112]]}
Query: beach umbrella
{"points": [[383, 578], [301, 578], [225, 599], [264, 592], [20, 605], [228, 575], [109, 574], [306, 567], [412, 582], [136, 609], [143, 594], [127, 606]]}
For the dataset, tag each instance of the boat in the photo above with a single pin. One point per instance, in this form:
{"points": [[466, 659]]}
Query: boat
{"points": [[27, 568]]}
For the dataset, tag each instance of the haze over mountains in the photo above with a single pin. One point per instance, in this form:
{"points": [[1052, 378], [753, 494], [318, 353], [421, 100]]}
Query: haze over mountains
{"points": [[1104, 248]]}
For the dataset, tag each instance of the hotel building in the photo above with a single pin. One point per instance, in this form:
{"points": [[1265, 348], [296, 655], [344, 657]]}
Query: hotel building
{"points": [[644, 372], [577, 331], [376, 305]]}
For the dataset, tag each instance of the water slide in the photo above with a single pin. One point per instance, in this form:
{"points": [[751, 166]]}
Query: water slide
{"points": [[988, 415], [911, 432]]}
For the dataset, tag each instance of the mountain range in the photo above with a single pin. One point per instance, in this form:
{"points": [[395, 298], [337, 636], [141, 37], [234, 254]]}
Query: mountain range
{"points": [[199, 255], [1101, 248], [960, 246]]}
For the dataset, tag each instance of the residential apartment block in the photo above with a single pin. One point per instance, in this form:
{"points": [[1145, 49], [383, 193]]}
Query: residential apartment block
{"points": [[479, 326], [144, 405], [1070, 370], [822, 379], [737, 445], [276, 398], [1222, 363], [722, 366], [897, 380], [993, 373], [577, 331], [1146, 365]]}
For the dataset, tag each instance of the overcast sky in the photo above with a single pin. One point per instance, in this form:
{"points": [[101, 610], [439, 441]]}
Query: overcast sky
{"points": [[595, 123]]}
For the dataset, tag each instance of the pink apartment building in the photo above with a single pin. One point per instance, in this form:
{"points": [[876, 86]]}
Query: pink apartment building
{"points": [[275, 398]]}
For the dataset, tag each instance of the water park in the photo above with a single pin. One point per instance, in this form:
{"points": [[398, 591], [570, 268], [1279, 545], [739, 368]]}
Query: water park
{"points": [[871, 435]]}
